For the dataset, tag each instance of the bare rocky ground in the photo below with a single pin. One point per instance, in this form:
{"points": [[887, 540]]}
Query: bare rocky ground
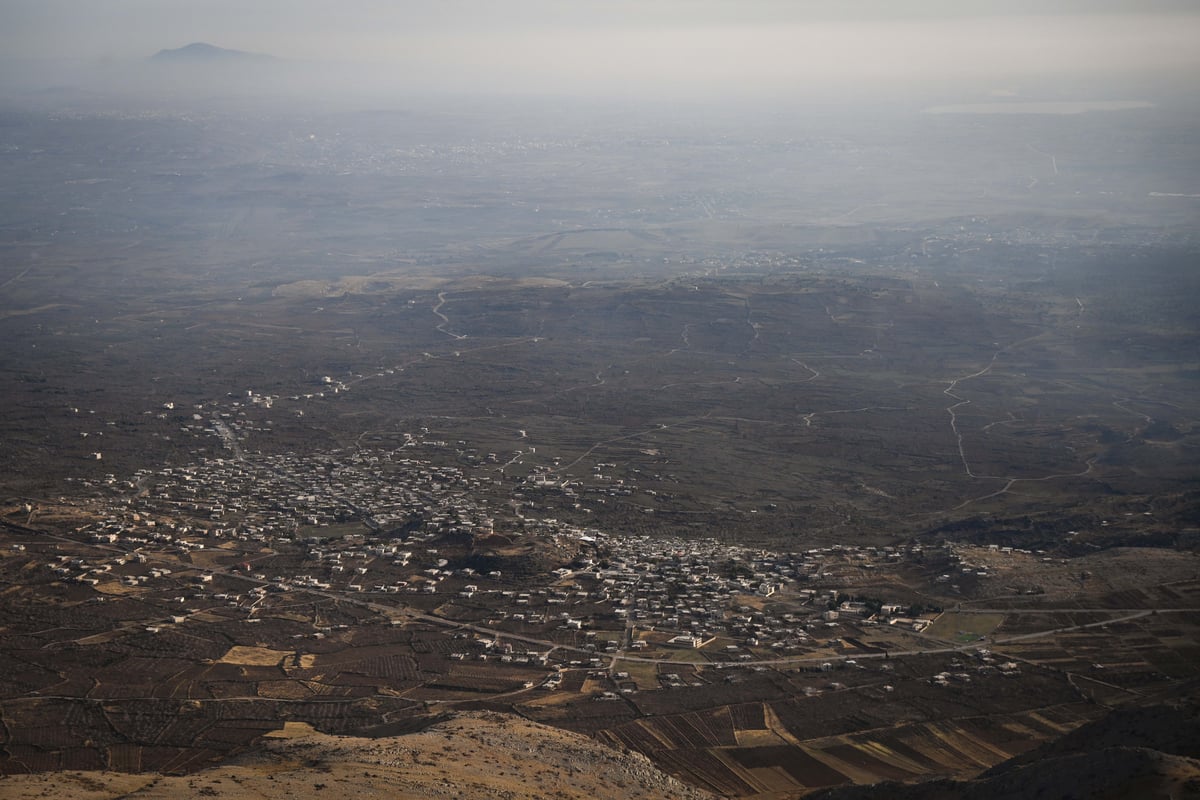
{"points": [[466, 755]]}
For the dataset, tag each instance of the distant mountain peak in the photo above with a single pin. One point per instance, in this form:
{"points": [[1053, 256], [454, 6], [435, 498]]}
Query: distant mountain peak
{"points": [[201, 52]]}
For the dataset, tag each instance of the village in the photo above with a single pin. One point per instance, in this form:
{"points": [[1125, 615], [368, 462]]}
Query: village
{"points": [[393, 528], [366, 589]]}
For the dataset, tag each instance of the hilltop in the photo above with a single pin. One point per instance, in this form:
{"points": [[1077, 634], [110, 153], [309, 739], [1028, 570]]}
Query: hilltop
{"points": [[465, 755], [201, 52]]}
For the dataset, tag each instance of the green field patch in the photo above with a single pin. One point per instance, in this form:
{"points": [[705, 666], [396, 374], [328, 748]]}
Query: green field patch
{"points": [[964, 628], [643, 673]]}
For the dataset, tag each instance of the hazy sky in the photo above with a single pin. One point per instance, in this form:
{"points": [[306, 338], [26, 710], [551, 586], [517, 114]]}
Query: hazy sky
{"points": [[699, 45]]}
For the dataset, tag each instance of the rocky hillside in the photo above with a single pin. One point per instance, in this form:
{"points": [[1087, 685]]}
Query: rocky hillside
{"points": [[466, 755]]}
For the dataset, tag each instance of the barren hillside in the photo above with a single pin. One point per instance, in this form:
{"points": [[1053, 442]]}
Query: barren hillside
{"points": [[467, 755]]}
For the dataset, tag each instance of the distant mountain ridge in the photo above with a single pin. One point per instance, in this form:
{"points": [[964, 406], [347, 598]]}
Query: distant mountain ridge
{"points": [[203, 53]]}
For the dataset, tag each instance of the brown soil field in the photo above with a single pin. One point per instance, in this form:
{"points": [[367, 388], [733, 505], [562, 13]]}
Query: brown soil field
{"points": [[254, 656]]}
